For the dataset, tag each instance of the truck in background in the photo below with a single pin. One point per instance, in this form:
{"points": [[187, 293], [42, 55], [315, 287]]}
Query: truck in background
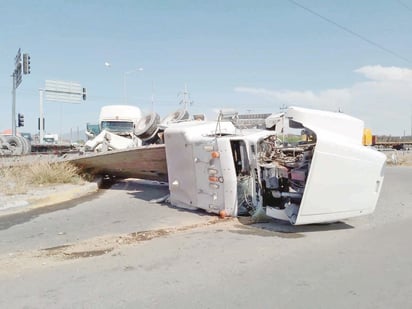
{"points": [[124, 126], [119, 119], [115, 129], [51, 139]]}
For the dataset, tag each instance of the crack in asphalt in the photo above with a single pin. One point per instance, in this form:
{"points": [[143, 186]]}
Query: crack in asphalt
{"points": [[104, 245]]}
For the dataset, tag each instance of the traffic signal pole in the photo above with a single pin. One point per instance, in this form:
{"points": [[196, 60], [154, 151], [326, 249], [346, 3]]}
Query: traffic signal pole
{"points": [[17, 78], [13, 109]]}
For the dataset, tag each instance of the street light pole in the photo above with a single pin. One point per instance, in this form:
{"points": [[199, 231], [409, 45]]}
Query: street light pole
{"points": [[41, 118], [124, 82]]}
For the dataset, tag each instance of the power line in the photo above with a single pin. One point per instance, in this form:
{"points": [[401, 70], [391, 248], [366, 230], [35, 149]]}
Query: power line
{"points": [[405, 5], [363, 38]]}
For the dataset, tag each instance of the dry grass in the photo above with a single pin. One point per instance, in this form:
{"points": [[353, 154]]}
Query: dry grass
{"points": [[401, 158], [19, 179]]}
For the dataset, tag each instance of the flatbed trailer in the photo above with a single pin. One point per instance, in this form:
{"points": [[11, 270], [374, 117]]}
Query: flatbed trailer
{"points": [[146, 162]]}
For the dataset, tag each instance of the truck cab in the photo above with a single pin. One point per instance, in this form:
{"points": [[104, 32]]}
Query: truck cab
{"points": [[306, 166], [52, 139], [119, 119]]}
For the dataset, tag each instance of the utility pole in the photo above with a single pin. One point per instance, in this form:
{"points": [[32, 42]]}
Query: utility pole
{"points": [[41, 118], [16, 82], [186, 98], [282, 110], [153, 90]]}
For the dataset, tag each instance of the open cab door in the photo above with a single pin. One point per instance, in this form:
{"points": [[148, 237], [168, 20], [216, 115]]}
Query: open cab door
{"points": [[326, 176]]}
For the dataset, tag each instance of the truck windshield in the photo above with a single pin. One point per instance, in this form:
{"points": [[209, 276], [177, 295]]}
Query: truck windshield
{"points": [[93, 128], [49, 140], [117, 126]]}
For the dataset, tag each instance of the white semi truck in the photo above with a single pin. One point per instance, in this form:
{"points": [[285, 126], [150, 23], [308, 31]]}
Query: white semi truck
{"points": [[51, 139], [116, 128], [124, 126], [119, 119], [305, 166]]}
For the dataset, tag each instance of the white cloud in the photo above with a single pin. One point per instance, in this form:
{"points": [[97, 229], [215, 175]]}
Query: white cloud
{"points": [[383, 101], [380, 73], [286, 95], [331, 99]]}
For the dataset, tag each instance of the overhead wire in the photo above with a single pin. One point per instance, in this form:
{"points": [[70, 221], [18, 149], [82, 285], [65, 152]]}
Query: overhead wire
{"points": [[346, 29], [405, 5]]}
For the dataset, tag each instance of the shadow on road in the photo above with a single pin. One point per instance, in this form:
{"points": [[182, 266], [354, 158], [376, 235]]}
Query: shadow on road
{"points": [[9, 220], [151, 190], [278, 226]]}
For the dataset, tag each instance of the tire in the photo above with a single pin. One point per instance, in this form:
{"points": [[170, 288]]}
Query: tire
{"points": [[147, 127], [2, 140], [15, 145], [176, 116], [3, 145], [26, 145]]}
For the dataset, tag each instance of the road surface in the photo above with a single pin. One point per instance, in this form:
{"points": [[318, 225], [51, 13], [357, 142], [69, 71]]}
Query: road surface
{"points": [[116, 250]]}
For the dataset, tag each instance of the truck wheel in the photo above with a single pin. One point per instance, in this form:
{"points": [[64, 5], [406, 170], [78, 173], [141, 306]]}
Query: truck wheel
{"points": [[178, 115], [2, 145], [147, 126], [15, 145], [26, 145]]}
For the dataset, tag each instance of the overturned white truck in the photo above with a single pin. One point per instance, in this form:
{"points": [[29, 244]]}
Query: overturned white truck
{"points": [[305, 166]]}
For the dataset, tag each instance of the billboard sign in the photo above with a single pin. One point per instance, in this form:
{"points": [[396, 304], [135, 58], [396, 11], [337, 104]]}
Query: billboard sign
{"points": [[62, 91]]}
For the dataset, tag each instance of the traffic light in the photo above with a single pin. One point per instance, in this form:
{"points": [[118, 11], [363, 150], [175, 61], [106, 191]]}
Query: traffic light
{"points": [[26, 63], [84, 94], [20, 120], [38, 123]]}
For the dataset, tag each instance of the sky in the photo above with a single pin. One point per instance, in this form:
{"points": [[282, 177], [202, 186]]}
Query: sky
{"points": [[249, 56]]}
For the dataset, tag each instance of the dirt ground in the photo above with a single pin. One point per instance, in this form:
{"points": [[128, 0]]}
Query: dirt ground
{"points": [[402, 158]]}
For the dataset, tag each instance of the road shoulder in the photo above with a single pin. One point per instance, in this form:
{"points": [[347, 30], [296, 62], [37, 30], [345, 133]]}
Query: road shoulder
{"points": [[37, 197]]}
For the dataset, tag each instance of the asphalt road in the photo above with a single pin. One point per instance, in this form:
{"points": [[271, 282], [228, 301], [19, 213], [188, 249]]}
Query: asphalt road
{"points": [[99, 253]]}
